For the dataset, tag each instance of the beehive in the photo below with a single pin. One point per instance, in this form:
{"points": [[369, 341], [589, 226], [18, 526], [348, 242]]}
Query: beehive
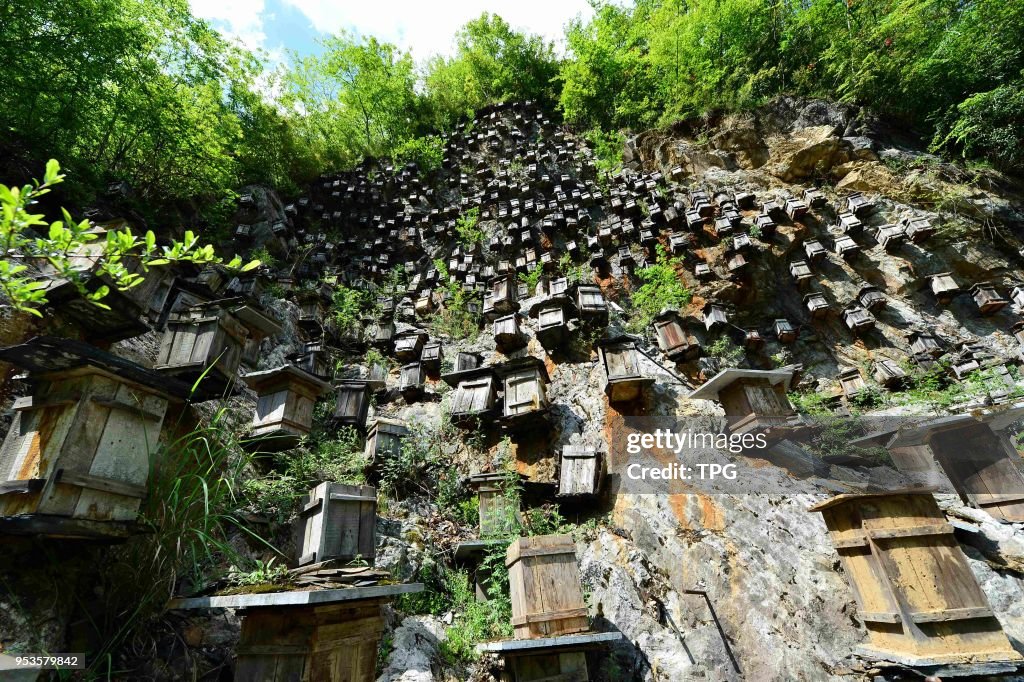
{"points": [[817, 305], [475, 395], [620, 359], [581, 473], [544, 583], [944, 287], [284, 406], [339, 522], [552, 317], [508, 336], [851, 381], [871, 298], [752, 399], [411, 381], [591, 304], [525, 401], [785, 332], [979, 462], [858, 319], [988, 298], [497, 510], [915, 592], [675, 341], [82, 445], [205, 346], [384, 441], [352, 404]]}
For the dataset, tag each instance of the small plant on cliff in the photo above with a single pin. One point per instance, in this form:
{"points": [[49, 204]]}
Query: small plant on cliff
{"points": [[661, 288], [348, 305], [467, 227], [25, 237], [727, 352], [455, 319]]}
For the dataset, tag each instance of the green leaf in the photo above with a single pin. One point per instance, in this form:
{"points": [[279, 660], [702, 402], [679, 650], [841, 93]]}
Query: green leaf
{"points": [[251, 265], [52, 175]]}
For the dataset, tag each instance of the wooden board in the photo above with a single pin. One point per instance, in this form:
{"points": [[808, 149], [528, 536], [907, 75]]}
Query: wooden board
{"points": [[983, 467], [544, 580], [915, 592]]}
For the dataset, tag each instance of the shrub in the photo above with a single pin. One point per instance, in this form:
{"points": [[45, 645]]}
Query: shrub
{"points": [[467, 227], [661, 288]]}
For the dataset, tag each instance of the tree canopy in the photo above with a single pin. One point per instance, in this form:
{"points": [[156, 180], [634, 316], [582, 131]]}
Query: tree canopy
{"points": [[142, 92]]}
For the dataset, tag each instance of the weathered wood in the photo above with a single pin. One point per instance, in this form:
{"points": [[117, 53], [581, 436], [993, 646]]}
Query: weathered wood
{"points": [[475, 396], [508, 336], [90, 435], [497, 510], [203, 346], [384, 441], [338, 521], [753, 400], [524, 381], [674, 339], [284, 406], [582, 471], [544, 583], [918, 598], [621, 362], [352, 404]]}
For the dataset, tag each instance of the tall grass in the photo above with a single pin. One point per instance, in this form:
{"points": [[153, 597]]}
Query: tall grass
{"points": [[188, 513]]}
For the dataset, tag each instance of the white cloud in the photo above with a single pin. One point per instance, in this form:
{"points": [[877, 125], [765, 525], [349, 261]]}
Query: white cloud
{"points": [[241, 20], [426, 28]]}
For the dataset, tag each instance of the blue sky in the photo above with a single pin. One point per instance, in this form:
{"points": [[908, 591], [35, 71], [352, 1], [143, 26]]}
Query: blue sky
{"points": [[424, 28]]}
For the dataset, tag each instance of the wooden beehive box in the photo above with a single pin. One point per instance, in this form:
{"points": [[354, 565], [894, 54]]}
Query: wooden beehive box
{"points": [[284, 405], [82, 445], [552, 317], [503, 297], [314, 359], [544, 584], [765, 224], [858, 319], [497, 510], [918, 229], [259, 324], [411, 381], [859, 205], [620, 359], [890, 237], [848, 223], [205, 343], [889, 374], [801, 272], [988, 298], [715, 316], [338, 522], [982, 464], [409, 345], [815, 198], [846, 247], [785, 332], [915, 593], [524, 382], [814, 250], [871, 298], [582, 471], [432, 356], [336, 642], [851, 382], [924, 343], [944, 287], [474, 397], [674, 339], [591, 304], [508, 336], [817, 305], [795, 208], [752, 399], [384, 441], [352, 404]]}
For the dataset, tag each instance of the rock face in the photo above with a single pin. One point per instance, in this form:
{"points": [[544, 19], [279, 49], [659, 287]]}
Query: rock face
{"points": [[703, 583]]}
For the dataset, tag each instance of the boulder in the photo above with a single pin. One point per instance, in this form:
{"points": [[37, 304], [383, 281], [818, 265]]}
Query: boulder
{"points": [[807, 152]]}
